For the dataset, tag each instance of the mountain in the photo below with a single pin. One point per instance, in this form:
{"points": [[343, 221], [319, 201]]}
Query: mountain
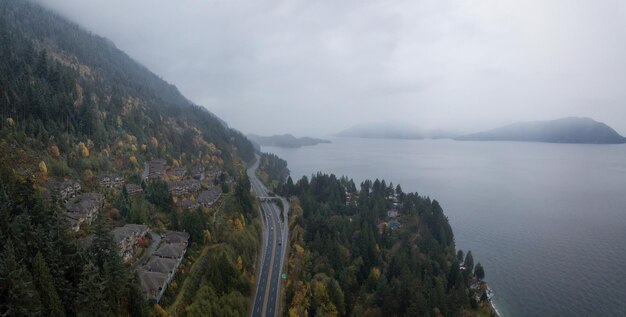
{"points": [[565, 130], [285, 140], [388, 130], [62, 85]]}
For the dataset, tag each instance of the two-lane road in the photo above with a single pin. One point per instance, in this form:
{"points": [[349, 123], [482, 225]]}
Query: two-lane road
{"points": [[266, 298]]}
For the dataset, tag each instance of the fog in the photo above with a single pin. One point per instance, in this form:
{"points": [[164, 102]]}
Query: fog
{"points": [[317, 67]]}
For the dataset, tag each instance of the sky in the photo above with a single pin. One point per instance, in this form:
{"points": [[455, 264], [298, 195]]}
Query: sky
{"points": [[317, 67]]}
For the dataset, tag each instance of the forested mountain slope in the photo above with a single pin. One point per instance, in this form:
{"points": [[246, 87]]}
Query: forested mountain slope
{"points": [[60, 85], [76, 110]]}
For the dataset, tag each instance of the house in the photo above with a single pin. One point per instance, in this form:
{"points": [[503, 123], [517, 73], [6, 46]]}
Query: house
{"points": [[153, 284], [393, 224], [133, 189], [154, 169], [127, 237], [83, 209], [187, 203], [156, 275], [171, 251], [392, 213], [64, 190], [183, 188], [111, 181], [214, 173], [176, 173], [208, 197], [161, 265], [197, 172], [175, 237]]}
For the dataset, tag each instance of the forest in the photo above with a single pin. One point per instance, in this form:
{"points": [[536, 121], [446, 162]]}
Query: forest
{"points": [[374, 250]]}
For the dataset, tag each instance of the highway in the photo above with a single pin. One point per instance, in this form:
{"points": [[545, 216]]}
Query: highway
{"points": [[267, 294]]}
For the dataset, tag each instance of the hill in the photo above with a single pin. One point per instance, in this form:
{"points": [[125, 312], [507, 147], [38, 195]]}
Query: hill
{"points": [[565, 130], [387, 130], [285, 140]]}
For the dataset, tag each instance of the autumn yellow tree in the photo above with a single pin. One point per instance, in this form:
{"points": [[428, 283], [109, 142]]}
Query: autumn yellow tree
{"points": [[43, 169], [84, 151], [54, 152]]}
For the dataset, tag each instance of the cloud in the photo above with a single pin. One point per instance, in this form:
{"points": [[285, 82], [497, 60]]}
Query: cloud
{"points": [[316, 67]]}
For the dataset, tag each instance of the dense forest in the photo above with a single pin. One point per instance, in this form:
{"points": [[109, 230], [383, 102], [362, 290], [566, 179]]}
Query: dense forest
{"points": [[374, 251]]}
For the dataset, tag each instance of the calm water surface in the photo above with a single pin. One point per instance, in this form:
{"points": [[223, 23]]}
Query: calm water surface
{"points": [[547, 221]]}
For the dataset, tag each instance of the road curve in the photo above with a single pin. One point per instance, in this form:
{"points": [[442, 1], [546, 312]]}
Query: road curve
{"points": [[267, 294]]}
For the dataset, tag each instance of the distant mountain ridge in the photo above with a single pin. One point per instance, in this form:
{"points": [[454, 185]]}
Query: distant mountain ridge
{"points": [[285, 140], [564, 130], [392, 131]]}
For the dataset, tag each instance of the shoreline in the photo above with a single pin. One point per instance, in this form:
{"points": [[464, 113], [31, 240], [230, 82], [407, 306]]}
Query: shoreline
{"points": [[490, 294]]}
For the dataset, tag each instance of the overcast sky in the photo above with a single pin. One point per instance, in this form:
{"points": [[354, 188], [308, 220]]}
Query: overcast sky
{"points": [[317, 67]]}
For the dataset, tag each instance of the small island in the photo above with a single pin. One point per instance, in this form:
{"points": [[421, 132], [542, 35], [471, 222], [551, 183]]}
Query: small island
{"points": [[565, 130], [285, 140]]}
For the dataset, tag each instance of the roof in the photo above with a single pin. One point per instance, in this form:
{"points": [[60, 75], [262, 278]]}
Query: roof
{"points": [[177, 171], [151, 282], [172, 251], [84, 203], [210, 195], [133, 188], [121, 233], [161, 265], [86, 241], [176, 237], [110, 177]]}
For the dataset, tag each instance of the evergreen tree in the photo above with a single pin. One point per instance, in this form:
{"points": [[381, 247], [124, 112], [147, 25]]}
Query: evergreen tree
{"points": [[479, 271], [18, 293], [469, 262], [50, 300], [91, 300]]}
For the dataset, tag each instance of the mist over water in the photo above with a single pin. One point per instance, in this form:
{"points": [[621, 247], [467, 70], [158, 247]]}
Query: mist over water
{"points": [[547, 221]]}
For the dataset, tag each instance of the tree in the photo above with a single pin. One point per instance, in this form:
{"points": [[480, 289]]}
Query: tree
{"points": [[91, 299], [469, 262], [459, 256], [479, 271], [42, 278], [17, 291]]}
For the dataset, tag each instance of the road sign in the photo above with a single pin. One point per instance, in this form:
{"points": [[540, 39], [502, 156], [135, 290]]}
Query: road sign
{"points": [[284, 276]]}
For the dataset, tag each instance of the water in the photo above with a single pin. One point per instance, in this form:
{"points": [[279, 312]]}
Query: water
{"points": [[547, 221]]}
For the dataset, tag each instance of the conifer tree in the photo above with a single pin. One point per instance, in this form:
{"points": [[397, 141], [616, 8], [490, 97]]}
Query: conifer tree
{"points": [[18, 293], [91, 299], [50, 300]]}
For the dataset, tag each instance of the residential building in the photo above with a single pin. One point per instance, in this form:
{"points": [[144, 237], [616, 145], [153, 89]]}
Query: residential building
{"points": [[153, 284], [83, 209], [176, 173], [197, 172], [183, 188], [154, 169], [128, 237], [392, 213], [208, 197], [64, 190], [111, 181], [133, 189], [156, 275]]}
